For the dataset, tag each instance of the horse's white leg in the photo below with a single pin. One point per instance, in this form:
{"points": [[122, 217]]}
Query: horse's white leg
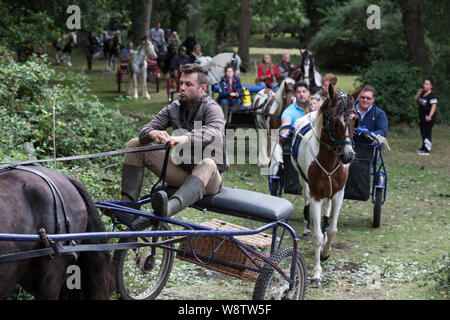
{"points": [[135, 86], [58, 60], [68, 60], [316, 280], [307, 234], [145, 94], [336, 204]]}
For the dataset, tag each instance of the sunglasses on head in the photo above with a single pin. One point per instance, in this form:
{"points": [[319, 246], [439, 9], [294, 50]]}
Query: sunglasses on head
{"points": [[365, 98]]}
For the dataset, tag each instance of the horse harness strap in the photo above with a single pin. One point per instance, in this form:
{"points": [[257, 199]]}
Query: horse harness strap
{"points": [[329, 174], [294, 152], [60, 207]]}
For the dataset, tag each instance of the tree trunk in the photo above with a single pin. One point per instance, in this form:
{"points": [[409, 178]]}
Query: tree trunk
{"points": [[412, 28], [141, 16], [244, 33], [191, 23], [219, 35], [147, 17], [314, 18]]}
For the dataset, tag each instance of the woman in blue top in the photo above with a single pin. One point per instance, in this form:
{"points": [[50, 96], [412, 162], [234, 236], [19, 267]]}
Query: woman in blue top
{"points": [[230, 92]]}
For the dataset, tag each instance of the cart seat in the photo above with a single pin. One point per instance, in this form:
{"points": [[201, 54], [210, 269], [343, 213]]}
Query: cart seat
{"points": [[243, 203]]}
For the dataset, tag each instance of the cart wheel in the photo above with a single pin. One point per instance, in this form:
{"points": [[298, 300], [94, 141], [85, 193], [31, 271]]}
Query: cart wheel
{"points": [[377, 207], [141, 274], [272, 286]]}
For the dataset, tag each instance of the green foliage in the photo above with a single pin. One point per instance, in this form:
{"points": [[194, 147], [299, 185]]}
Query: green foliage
{"points": [[21, 26], [278, 17], [344, 41], [30, 93], [396, 84]]}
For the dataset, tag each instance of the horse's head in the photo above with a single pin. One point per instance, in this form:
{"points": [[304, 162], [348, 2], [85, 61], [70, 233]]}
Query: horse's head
{"points": [[149, 49], [117, 38], [307, 57], [339, 121], [287, 89], [73, 37]]}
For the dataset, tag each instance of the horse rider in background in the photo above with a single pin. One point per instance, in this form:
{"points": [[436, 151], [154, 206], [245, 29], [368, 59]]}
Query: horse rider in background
{"points": [[179, 60], [285, 67], [158, 37], [268, 73], [126, 54], [93, 44]]}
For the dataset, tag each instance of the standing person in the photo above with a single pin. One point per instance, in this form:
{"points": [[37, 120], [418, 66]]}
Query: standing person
{"points": [[105, 38], [427, 101], [268, 72], [230, 92], [371, 117], [199, 120], [157, 36], [285, 67], [93, 46]]}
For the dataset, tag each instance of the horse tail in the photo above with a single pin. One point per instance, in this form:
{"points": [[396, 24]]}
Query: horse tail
{"points": [[97, 271]]}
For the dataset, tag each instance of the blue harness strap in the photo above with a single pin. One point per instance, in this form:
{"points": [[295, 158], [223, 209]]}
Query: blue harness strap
{"points": [[296, 145]]}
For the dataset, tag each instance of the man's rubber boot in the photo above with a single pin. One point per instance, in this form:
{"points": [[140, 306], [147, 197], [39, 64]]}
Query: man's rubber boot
{"points": [[190, 192], [132, 179]]}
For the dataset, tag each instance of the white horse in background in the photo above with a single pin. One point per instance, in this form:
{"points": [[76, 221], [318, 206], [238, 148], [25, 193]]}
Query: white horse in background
{"points": [[138, 70], [216, 67], [64, 44]]}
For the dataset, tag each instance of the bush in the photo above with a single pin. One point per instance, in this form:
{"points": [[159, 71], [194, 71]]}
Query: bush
{"points": [[31, 92], [396, 84]]}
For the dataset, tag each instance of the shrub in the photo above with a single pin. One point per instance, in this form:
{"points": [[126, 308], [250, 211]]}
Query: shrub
{"points": [[396, 84], [29, 95]]}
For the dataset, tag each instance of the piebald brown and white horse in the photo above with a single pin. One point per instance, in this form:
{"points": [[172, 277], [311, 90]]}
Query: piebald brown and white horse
{"points": [[322, 157], [268, 107], [308, 72], [138, 70], [64, 44]]}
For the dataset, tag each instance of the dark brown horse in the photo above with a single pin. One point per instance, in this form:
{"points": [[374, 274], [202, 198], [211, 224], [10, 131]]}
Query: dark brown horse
{"points": [[28, 203]]}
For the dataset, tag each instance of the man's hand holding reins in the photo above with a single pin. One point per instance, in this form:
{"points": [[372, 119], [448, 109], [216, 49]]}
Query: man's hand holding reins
{"points": [[162, 137]]}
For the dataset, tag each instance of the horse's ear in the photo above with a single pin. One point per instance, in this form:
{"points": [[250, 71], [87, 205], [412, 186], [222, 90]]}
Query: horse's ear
{"points": [[356, 93], [332, 93]]}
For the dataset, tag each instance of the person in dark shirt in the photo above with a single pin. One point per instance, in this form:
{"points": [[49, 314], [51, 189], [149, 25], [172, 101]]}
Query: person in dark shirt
{"points": [[427, 101]]}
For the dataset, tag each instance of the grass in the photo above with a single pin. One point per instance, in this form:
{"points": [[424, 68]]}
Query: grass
{"points": [[395, 261]]}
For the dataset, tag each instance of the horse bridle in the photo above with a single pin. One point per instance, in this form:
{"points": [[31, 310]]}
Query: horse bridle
{"points": [[329, 123]]}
